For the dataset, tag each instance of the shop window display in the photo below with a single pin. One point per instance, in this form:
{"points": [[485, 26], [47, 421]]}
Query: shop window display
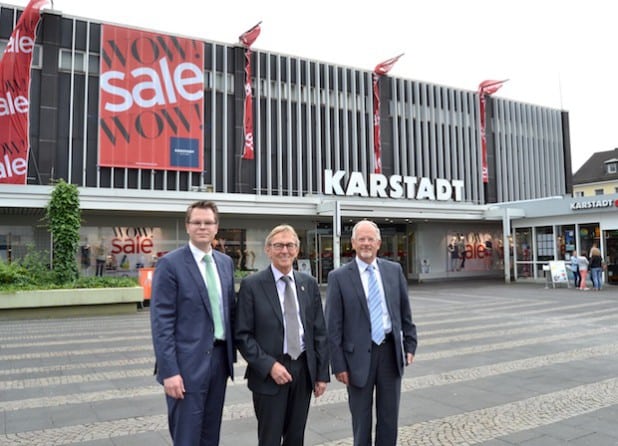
{"points": [[473, 251], [589, 234]]}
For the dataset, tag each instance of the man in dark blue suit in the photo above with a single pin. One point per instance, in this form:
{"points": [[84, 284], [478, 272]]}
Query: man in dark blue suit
{"points": [[281, 332], [191, 313], [371, 335]]}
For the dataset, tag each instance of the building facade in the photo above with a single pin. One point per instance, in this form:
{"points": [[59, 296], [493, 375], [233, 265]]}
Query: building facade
{"points": [[554, 228], [598, 175], [314, 155]]}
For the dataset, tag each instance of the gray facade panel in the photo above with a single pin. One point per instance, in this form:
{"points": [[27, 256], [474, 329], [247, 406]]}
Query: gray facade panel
{"points": [[308, 116]]}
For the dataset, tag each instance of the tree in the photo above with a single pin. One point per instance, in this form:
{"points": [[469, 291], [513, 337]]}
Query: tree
{"points": [[63, 216]]}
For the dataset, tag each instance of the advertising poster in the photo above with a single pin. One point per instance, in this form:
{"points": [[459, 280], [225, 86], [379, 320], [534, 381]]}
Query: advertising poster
{"points": [[558, 271], [151, 99]]}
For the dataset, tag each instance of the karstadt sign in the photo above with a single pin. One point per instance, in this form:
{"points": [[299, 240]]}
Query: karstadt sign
{"points": [[593, 204], [395, 186]]}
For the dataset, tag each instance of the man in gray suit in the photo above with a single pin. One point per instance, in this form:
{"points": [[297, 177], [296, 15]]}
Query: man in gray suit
{"points": [[371, 335], [281, 332], [191, 312]]}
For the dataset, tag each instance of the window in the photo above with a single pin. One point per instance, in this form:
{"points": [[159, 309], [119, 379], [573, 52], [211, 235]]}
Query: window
{"points": [[37, 55], [79, 60], [612, 167], [579, 193], [598, 191]]}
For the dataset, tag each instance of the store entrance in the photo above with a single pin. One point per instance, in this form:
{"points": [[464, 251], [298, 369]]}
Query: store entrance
{"points": [[610, 239], [395, 246]]}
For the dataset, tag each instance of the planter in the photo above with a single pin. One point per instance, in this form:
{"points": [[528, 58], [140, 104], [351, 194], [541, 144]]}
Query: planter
{"points": [[79, 301]]}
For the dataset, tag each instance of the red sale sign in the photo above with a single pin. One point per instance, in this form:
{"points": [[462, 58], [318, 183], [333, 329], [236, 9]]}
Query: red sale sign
{"points": [[14, 96], [151, 98]]}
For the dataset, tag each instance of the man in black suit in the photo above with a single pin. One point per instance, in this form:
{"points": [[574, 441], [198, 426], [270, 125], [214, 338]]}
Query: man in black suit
{"points": [[191, 314], [281, 332], [371, 335]]}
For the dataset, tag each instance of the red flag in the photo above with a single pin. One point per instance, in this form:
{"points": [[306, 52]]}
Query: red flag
{"points": [[377, 155], [380, 70], [14, 96], [487, 87], [248, 37], [490, 86], [248, 149], [247, 40], [383, 68]]}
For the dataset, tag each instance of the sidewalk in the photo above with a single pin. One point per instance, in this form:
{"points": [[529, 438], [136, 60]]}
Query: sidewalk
{"points": [[497, 365]]}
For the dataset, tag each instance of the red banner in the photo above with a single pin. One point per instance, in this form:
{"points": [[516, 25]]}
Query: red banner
{"points": [[247, 40], [14, 96], [377, 155], [381, 69], [248, 148], [249, 37], [485, 88], [151, 100]]}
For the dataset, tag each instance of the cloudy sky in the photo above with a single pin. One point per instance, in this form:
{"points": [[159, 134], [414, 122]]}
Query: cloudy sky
{"points": [[560, 54]]}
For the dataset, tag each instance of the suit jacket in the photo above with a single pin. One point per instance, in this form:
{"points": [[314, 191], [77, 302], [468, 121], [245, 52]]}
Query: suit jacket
{"points": [[349, 323], [260, 330], [181, 317]]}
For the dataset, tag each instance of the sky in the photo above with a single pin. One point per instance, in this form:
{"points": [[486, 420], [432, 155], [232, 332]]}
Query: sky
{"points": [[555, 53]]}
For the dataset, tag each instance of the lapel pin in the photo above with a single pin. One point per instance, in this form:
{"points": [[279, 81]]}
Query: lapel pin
{"points": [[302, 288]]}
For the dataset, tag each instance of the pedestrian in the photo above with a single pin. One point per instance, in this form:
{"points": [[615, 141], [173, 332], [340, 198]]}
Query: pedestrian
{"points": [[596, 268], [575, 269], [582, 262], [191, 312], [453, 253], [371, 335], [281, 333]]}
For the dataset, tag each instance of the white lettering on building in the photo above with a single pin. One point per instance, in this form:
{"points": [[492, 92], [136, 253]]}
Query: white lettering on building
{"points": [[16, 167], [157, 88], [20, 44], [10, 105], [593, 204], [395, 186]]}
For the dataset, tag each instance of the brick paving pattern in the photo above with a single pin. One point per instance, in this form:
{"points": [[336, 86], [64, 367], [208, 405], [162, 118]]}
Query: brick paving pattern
{"points": [[497, 365]]}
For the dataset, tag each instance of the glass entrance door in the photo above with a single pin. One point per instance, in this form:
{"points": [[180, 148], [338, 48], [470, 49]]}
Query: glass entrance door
{"points": [[610, 251]]}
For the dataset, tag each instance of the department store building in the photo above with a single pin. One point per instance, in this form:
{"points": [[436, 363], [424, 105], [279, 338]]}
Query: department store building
{"points": [[313, 166]]}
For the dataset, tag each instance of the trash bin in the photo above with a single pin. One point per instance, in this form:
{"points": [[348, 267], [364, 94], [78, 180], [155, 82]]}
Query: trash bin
{"points": [[145, 281]]}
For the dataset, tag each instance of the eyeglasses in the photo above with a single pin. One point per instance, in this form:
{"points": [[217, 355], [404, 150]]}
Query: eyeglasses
{"points": [[280, 246], [202, 223], [370, 240]]}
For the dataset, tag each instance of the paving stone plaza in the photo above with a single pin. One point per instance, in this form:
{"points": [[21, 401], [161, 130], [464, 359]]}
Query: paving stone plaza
{"points": [[497, 365]]}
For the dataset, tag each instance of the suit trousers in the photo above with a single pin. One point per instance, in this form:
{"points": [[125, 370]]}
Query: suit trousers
{"points": [[384, 378], [282, 417], [196, 419]]}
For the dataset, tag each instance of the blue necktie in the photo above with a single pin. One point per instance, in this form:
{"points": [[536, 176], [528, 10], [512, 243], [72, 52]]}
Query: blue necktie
{"points": [[375, 307]]}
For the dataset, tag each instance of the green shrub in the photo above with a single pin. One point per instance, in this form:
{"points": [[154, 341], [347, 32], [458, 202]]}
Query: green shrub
{"points": [[30, 271], [33, 273], [63, 221], [13, 274], [105, 282], [37, 265]]}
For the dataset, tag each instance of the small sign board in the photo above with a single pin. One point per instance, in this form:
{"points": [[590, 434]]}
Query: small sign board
{"points": [[304, 266], [558, 272]]}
